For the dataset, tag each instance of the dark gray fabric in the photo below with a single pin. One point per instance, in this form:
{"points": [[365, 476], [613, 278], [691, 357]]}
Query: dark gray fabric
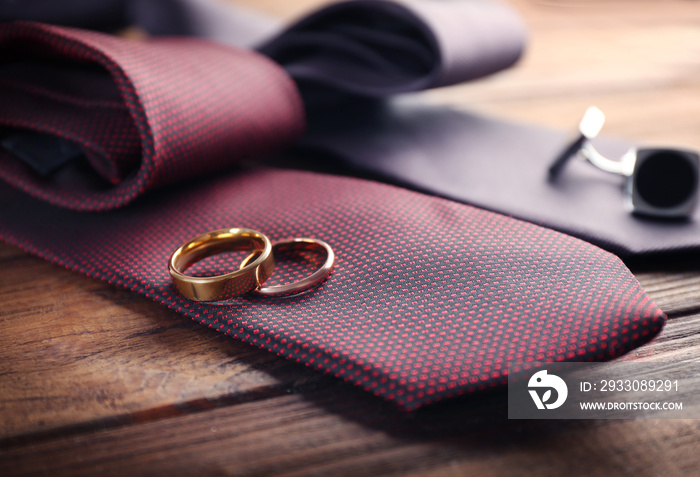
{"points": [[381, 48], [98, 15], [496, 165], [222, 22]]}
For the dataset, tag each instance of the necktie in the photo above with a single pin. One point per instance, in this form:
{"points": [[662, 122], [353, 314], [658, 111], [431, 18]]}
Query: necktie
{"points": [[126, 114], [429, 299], [429, 148]]}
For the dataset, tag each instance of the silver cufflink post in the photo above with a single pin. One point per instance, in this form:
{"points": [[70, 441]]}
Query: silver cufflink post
{"points": [[659, 182]]}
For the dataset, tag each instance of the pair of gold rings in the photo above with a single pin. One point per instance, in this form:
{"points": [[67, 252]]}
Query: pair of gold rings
{"points": [[255, 269]]}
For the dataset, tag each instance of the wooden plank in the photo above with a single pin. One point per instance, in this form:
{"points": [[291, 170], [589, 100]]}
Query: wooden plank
{"points": [[74, 350], [336, 429], [676, 292], [336, 434], [95, 380], [678, 342], [638, 63], [669, 116]]}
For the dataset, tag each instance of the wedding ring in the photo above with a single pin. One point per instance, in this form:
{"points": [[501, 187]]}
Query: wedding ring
{"points": [[229, 285], [297, 246]]}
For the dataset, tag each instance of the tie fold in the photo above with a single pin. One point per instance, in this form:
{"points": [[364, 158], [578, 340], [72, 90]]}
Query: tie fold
{"points": [[379, 48], [145, 114]]}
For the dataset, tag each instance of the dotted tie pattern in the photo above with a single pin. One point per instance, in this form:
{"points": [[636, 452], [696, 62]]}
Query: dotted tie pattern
{"points": [[155, 112], [429, 299]]}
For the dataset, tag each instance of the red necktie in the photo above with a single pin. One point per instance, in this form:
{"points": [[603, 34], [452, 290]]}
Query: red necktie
{"points": [[429, 299]]}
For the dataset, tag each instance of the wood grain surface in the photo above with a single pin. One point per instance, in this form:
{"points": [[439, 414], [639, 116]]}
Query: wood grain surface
{"points": [[95, 380]]}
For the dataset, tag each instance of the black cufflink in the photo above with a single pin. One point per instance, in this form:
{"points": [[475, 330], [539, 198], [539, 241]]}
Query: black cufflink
{"points": [[659, 182]]}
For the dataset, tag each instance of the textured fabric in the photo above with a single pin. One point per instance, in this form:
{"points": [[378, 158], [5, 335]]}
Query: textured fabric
{"points": [[148, 114], [429, 299], [494, 164], [378, 48]]}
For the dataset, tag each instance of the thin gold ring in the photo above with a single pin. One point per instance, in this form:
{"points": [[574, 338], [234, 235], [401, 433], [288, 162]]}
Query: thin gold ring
{"points": [[229, 285], [297, 245]]}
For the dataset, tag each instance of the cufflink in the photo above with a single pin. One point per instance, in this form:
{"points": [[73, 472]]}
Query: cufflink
{"points": [[659, 182]]}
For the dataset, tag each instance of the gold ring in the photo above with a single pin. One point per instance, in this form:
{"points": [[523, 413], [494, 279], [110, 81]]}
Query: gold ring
{"points": [[229, 285], [298, 245]]}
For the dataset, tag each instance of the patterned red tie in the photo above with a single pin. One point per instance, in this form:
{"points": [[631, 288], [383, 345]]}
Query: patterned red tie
{"points": [[429, 299]]}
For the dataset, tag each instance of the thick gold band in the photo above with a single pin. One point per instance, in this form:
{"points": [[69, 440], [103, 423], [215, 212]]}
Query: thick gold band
{"points": [[222, 287], [297, 245]]}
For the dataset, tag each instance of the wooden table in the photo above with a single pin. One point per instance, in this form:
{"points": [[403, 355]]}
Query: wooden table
{"points": [[95, 380]]}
